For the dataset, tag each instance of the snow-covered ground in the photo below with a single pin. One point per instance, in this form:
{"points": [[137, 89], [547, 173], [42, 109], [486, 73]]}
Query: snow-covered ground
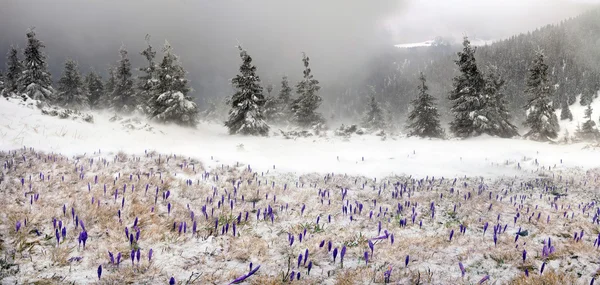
{"points": [[410, 198], [210, 143]]}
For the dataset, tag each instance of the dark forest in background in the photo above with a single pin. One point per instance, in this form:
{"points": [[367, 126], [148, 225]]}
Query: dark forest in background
{"points": [[571, 49]]}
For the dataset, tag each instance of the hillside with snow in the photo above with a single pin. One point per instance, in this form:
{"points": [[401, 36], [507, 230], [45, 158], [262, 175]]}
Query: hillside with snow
{"points": [[368, 155]]}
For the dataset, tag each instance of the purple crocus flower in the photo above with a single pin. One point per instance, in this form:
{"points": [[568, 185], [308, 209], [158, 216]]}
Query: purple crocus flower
{"points": [[172, 281], [462, 269], [18, 226], [542, 269], [371, 246], [524, 255], [406, 260], [244, 277], [83, 238], [485, 278], [305, 256], [111, 257], [451, 234], [342, 253], [150, 255], [118, 258], [366, 257], [335, 252], [132, 256], [99, 271], [138, 255], [300, 260]]}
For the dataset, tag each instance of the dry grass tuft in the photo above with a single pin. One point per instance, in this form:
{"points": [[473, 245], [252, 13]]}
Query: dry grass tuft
{"points": [[548, 278]]}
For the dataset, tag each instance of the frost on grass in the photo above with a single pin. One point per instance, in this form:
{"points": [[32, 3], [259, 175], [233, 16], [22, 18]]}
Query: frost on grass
{"points": [[114, 218]]}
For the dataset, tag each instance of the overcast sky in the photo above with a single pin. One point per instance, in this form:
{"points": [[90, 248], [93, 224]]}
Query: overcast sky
{"points": [[338, 35]]}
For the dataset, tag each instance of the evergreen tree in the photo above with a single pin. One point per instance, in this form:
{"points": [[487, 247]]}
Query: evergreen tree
{"points": [[494, 118], [424, 117], [466, 95], [305, 106], [285, 93], [93, 83], [123, 96], [540, 114], [247, 103], [14, 68], [177, 108], [373, 118], [172, 103], [109, 88], [588, 130], [1, 82], [565, 112], [35, 80], [282, 102], [71, 90], [171, 76], [271, 109], [148, 81]]}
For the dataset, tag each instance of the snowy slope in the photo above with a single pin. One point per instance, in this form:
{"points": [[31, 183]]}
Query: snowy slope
{"points": [[482, 156], [578, 112], [428, 43]]}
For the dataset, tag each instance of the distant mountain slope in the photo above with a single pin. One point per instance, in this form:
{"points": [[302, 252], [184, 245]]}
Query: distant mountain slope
{"points": [[572, 50]]}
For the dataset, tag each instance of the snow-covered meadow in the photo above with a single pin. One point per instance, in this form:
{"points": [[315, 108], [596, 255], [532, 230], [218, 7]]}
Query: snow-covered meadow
{"points": [[353, 210]]}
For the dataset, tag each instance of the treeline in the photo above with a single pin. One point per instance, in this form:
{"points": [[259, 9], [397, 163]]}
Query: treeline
{"points": [[477, 98], [479, 105], [251, 112], [570, 48], [161, 92]]}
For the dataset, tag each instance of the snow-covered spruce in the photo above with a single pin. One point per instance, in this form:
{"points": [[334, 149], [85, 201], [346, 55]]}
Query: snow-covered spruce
{"points": [[496, 117], [148, 80], [35, 81], [175, 107], [478, 104], [588, 131], [466, 95], [1, 82], [540, 115], [305, 106], [71, 90], [172, 104], [565, 111], [95, 89], [424, 117], [14, 68], [247, 104], [284, 99], [123, 96], [109, 88], [373, 118]]}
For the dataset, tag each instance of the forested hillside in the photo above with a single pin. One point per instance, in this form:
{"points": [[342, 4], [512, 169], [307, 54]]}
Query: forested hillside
{"points": [[571, 49]]}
